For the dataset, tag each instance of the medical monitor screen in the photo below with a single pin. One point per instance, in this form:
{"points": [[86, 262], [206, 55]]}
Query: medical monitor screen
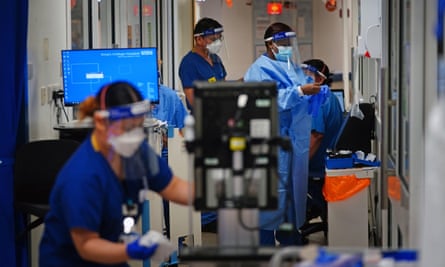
{"points": [[235, 123], [84, 72], [340, 94]]}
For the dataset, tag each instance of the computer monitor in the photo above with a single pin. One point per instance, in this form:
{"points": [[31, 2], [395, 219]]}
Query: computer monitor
{"points": [[340, 94], [84, 72], [223, 126]]}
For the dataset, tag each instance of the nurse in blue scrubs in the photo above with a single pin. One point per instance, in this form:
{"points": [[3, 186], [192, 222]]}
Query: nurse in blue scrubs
{"points": [[325, 127], [203, 64], [96, 198]]}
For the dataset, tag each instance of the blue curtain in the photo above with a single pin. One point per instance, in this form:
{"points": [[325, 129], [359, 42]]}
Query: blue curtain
{"points": [[13, 85]]}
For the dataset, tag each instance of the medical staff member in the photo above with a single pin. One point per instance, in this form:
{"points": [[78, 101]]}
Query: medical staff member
{"points": [[325, 127], [280, 64], [170, 108], [96, 197], [203, 63]]}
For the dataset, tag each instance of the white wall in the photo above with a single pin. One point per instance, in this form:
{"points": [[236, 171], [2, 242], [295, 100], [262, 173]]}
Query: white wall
{"points": [[46, 37], [327, 36]]}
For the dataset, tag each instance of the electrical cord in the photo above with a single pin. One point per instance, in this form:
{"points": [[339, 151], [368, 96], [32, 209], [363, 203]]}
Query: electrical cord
{"points": [[58, 96]]}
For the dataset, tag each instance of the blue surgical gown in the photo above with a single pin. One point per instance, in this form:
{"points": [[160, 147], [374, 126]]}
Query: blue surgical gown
{"points": [[294, 123]]}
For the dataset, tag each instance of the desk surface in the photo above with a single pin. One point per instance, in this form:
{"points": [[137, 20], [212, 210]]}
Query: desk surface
{"points": [[363, 172], [74, 125]]}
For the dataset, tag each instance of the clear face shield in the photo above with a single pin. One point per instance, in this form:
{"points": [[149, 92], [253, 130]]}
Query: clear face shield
{"points": [[312, 74], [216, 40], [285, 47], [129, 141]]}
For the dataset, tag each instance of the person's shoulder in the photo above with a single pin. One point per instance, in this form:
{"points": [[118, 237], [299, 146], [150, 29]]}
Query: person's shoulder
{"points": [[260, 62], [83, 159], [190, 55], [261, 59], [188, 60]]}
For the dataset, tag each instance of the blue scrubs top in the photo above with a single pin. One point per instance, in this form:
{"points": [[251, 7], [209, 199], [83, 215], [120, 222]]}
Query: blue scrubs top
{"points": [[87, 194], [327, 122], [194, 67], [170, 108]]}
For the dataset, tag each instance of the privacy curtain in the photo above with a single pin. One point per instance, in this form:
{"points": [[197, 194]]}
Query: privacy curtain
{"points": [[13, 84]]}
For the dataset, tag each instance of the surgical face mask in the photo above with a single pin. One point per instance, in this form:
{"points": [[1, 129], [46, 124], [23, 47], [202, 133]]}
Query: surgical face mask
{"points": [[215, 46], [126, 144], [284, 53]]}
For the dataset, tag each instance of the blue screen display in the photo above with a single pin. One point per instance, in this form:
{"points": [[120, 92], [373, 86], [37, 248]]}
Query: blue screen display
{"points": [[339, 93], [84, 72]]}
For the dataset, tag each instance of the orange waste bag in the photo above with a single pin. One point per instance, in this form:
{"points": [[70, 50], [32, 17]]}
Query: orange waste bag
{"points": [[338, 188], [394, 188]]}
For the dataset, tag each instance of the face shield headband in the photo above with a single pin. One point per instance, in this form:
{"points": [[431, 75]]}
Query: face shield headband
{"points": [[280, 36], [133, 110], [313, 70], [209, 32]]}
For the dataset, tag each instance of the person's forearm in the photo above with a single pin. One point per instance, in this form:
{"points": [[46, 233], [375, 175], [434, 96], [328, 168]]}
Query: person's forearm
{"points": [[103, 251], [178, 190], [315, 143], [189, 95]]}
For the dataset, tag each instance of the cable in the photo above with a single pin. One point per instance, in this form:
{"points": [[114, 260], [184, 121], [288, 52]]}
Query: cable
{"points": [[58, 95]]}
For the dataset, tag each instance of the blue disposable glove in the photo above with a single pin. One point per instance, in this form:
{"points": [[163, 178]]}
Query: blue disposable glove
{"points": [[140, 252], [317, 100]]}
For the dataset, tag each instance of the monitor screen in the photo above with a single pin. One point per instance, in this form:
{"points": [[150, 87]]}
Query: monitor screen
{"points": [[84, 72], [221, 122], [340, 94]]}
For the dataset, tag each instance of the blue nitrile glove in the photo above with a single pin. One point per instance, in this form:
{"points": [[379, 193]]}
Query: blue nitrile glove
{"points": [[140, 252], [317, 100]]}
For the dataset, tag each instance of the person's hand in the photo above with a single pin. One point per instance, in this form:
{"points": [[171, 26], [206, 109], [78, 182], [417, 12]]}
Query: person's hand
{"points": [[164, 247], [136, 250], [310, 88]]}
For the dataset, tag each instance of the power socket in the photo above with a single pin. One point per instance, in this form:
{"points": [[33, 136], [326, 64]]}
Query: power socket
{"points": [[49, 93], [53, 92], [43, 95]]}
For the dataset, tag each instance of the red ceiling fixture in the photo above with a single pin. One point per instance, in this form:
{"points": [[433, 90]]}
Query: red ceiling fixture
{"points": [[274, 8], [331, 5], [147, 10]]}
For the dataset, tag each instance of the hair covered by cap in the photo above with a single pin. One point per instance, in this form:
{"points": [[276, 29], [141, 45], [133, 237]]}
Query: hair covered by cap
{"points": [[205, 24]]}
